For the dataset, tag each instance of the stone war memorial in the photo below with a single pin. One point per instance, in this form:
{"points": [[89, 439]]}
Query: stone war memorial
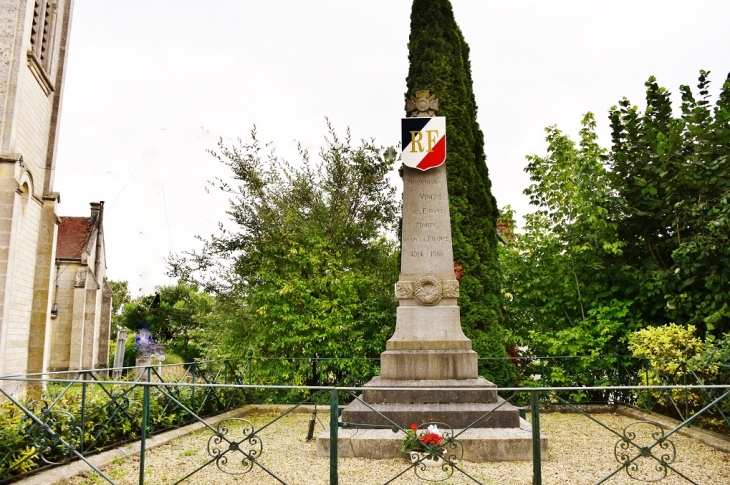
{"points": [[429, 371]]}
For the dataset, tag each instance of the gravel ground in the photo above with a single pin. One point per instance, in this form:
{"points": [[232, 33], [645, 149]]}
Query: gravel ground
{"points": [[581, 452]]}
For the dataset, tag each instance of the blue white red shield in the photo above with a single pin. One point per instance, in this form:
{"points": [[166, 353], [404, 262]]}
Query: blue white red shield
{"points": [[423, 141]]}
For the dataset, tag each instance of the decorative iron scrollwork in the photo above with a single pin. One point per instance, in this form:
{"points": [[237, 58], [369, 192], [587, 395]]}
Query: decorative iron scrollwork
{"points": [[46, 438], [439, 462], [221, 445], [642, 442]]}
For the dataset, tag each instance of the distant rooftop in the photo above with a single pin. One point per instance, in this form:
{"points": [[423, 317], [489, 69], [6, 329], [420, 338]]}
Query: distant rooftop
{"points": [[72, 235]]}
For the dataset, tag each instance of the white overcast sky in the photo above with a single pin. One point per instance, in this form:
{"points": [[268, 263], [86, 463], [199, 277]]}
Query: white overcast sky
{"points": [[151, 84]]}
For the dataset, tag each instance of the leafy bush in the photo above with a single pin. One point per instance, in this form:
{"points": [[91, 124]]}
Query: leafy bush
{"points": [[112, 353], [15, 451], [673, 355], [173, 359]]}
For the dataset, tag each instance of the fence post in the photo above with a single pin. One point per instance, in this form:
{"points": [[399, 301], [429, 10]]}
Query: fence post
{"points": [[536, 464], [334, 423], [193, 368], [646, 383], [619, 394], [249, 357], [686, 394], [83, 410], [145, 416], [542, 373]]}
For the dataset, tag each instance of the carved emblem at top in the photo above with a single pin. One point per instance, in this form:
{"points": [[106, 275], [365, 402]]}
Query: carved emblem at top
{"points": [[422, 105]]}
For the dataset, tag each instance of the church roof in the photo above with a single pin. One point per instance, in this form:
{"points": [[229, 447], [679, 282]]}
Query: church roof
{"points": [[73, 233]]}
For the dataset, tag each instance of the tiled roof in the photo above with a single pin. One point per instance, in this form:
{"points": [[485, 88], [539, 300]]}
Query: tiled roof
{"points": [[504, 231], [72, 235]]}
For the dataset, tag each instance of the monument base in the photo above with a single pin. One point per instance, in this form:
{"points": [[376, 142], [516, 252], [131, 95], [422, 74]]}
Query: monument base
{"points": [[495, 431], [480, 444], [459, 403], [428, 364], [379, 390], [456, 415]]}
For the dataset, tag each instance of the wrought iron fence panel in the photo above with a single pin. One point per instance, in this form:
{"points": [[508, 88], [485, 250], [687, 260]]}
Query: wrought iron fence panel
{"points": [[644, 450], [47, 437], [94, 414], [115, 412], [82, 415], [236, 445]]}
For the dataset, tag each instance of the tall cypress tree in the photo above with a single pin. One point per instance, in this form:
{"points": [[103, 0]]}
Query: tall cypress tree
{"points": [[439, 62]]}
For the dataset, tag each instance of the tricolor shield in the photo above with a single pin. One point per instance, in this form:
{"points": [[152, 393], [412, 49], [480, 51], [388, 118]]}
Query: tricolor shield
{"points": [[423, 141]]}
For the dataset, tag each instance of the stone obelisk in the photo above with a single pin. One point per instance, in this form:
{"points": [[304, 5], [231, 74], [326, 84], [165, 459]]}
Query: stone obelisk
{"points": [[428, 343], [428, 349], [429, 371]]}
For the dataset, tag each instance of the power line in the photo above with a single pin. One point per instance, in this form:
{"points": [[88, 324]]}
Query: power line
{"points": [[169, 232], [192, 209]]}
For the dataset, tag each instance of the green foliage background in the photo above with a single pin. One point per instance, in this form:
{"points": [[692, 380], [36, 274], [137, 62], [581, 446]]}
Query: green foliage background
{"points": [[309, 269], [626, 238], [176, 316], [672, 178]]}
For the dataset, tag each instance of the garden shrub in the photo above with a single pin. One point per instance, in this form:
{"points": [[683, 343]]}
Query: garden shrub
{"points": [[15, 451], [130, 350], [717, 352], [672, 356]]}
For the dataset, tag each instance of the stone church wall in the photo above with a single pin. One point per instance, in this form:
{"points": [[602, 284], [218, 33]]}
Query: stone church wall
{"points": [[30, 98], [21, 286], [61, 334]]}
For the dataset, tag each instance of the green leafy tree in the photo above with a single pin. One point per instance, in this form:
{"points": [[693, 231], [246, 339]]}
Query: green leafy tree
{"points": [[439, 62], [308, 271], [672, 176], [563, 273], [120, 298], [174, 316], [626, 238]]}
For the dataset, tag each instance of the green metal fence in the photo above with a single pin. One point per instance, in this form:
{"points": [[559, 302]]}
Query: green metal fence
{"points": [[60, 419], [78, 417]]}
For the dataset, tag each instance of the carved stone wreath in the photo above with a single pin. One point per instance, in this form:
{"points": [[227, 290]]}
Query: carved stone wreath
{"points": [[428, 290]]}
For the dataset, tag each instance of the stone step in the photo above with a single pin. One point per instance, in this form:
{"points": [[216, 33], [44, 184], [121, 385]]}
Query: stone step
{"points": [[479, 444], [429, 364], [477, 390], [456, 415]]}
